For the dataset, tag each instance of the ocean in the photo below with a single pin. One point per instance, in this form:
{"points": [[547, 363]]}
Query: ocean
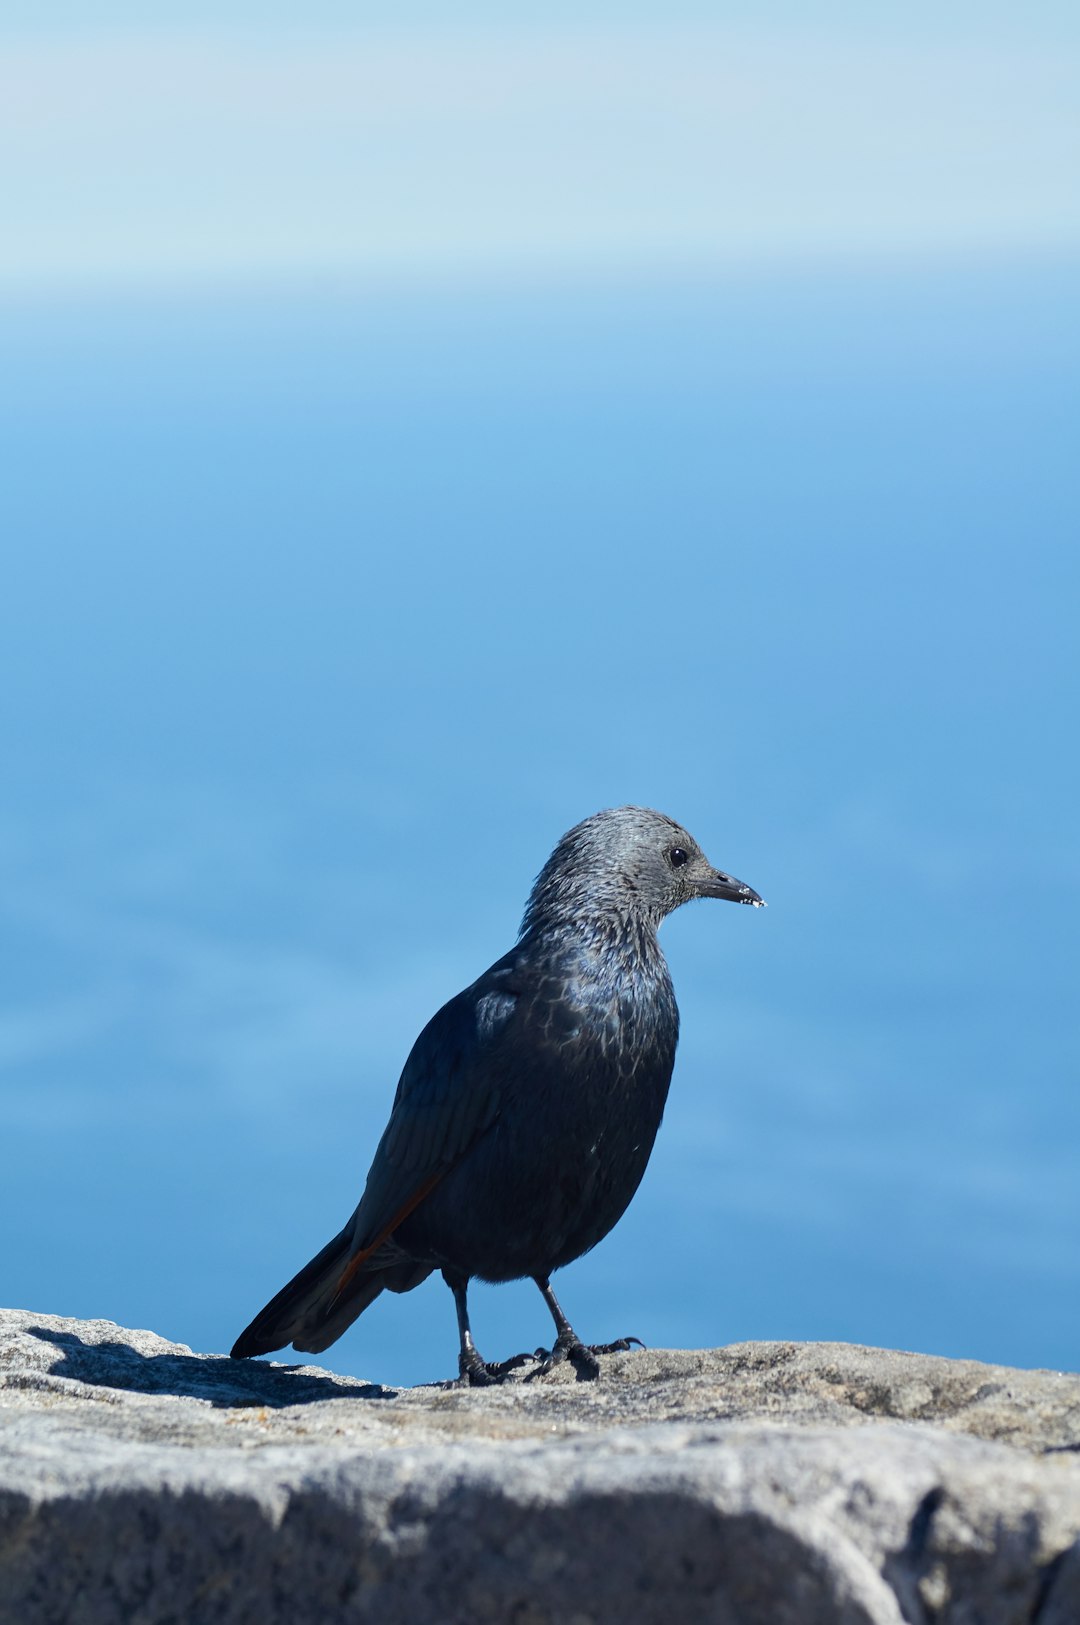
{"points": [[326, 611]]}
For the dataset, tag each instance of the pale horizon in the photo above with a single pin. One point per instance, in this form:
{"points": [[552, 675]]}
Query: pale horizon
{"points": [[214, 154]]}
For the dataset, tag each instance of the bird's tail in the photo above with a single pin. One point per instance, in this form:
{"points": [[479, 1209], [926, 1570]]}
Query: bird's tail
{"points": [[324, 1299]]}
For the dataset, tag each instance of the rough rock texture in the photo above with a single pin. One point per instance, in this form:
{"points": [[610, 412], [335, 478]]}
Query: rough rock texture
{"points": [[780, 1483]]}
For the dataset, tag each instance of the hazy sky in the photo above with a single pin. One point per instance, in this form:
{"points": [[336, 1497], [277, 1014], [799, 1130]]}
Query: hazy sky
{"points": [[595, 140]]}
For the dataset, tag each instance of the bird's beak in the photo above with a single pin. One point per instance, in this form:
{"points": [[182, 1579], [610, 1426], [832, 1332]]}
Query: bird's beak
{"points": [[718, 884]]}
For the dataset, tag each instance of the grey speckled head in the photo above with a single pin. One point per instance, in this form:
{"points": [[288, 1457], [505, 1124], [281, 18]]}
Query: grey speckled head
{"points": [[627, 861]]}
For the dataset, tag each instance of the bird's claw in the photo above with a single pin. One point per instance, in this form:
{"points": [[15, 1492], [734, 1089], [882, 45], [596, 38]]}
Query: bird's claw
{"points": [[573, 1349], [620, 1345], [476, 1372], [504, 1367], [582, 1356]]}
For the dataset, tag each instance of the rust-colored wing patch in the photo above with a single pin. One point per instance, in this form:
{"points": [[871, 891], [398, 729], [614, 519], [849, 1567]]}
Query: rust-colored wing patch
{"points": [[387, 1230]]}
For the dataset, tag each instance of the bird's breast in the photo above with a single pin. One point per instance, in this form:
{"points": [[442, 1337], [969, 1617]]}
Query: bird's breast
{"points": [[600, 1073], [583, 1067]]}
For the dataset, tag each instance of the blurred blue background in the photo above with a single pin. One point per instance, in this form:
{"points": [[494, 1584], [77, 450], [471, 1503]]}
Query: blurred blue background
{"points": [[416, 438]]}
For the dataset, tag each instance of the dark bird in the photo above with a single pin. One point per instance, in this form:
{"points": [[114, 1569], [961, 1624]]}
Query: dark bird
{"points": [[528, 1107]]}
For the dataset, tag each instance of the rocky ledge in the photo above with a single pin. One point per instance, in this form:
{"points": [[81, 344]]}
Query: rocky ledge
{"points": [[780, 1483]]}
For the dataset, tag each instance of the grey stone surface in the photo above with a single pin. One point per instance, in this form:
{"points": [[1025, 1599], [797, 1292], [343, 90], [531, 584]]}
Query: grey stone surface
{"points": [[782, 1483]]}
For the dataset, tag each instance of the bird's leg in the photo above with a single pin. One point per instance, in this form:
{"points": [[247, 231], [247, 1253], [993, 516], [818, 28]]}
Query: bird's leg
{"points": [[474, 1372], [568, 1345], [471, 1368]]}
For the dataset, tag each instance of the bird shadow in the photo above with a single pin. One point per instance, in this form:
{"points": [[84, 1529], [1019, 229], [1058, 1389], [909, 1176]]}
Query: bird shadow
{"points": [[215, 1378]]}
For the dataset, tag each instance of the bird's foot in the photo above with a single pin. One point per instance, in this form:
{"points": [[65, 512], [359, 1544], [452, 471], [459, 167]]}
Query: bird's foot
{"points": [[620, 1346], [582, 1356], [504, 1367], [475, 1372], [569, 1348]]}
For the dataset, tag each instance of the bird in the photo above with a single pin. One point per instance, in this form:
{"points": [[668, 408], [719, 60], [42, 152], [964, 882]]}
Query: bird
{"points": [[528, 1107]]}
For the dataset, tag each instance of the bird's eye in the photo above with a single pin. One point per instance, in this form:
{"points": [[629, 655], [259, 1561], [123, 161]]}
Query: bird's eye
{"points": [[677, 857]]}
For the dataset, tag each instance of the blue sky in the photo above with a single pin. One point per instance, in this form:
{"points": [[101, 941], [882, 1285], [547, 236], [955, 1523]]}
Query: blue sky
{"points": [[417, 438]]}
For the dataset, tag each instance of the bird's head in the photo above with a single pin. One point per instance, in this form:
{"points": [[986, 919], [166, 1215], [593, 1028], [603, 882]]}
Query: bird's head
{"points": [[627, 861]]}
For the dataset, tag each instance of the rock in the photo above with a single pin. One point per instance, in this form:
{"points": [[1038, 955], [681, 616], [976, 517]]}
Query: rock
{"points": [[761, 1484]]}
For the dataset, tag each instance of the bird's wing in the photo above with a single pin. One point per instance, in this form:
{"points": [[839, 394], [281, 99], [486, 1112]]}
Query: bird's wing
{"points": [[449, 1094]]}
